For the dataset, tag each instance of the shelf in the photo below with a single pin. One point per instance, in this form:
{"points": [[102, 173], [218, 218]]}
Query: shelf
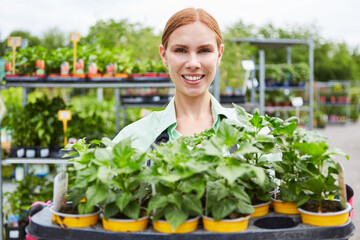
{"points": [[290, 108], [91, 84], [333, 104], [9, 161], [283, 88]]}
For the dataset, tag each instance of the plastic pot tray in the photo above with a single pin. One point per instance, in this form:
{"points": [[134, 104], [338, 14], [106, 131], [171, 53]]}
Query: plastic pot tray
{"points": [[272, 226]]}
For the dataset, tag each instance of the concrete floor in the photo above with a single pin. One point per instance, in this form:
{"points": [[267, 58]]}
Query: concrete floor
{"points": [[347, 138]]}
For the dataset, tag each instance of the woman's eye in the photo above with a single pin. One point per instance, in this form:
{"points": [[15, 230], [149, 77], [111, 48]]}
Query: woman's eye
{"points": [[180, 50], [205, 50]]}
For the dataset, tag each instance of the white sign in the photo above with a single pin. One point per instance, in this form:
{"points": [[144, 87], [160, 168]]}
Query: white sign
{"points": [[64, 115]]}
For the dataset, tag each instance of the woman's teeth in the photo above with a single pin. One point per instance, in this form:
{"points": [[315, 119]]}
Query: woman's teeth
{"points": [[192, 78]]}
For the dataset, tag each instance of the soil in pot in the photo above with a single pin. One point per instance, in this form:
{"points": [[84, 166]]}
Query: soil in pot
{"points": [[327, 206], [68, 217]]}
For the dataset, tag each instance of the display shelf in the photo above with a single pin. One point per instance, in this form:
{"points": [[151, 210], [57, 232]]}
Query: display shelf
{"points": [[333, 98], [263, 89], [92, 85], [279, 226], [282, 108], [294, 88], [9, 161]]}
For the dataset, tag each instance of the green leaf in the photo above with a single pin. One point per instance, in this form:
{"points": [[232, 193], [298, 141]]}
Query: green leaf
{"points": [[156, 202], [95, 194], [132, 210], [175, 198], [110, 210], [123, 200], [231, 173], [103, 155], [175, 217], [223, 208], [193, 204], [85, 208], [240, 194], [244, 207], [104, 174]]}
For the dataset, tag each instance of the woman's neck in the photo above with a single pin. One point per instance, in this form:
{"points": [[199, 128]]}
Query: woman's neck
{"points": [[193, 114]]}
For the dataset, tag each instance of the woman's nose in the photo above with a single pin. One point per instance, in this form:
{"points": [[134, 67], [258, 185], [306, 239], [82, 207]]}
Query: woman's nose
{"points": [[192, 61]]}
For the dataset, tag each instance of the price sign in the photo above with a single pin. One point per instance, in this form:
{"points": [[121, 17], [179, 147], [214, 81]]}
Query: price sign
{"points": [[64, 116], [75, 38], [14, 42]]}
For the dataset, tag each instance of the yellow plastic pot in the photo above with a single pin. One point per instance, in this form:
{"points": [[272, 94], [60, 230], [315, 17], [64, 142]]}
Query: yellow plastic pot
{"points": [[165, 227], [125, 225], [66, 220], [325, 219], [284, 207], [226, 225], [261, 209]]}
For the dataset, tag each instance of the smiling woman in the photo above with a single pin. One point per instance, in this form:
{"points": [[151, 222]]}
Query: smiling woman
{"points": [[191, 49]]}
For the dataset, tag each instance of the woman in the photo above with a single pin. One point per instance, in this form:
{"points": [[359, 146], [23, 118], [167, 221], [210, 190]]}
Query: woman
{"points": [[191, 49]]}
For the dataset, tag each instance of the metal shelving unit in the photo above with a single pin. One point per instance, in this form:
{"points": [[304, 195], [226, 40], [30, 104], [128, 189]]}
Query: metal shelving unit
{"points": [[345, 91], [287, 43]]}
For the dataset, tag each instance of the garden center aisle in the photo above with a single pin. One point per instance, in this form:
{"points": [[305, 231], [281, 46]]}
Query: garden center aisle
{"points": [[347, 138]]}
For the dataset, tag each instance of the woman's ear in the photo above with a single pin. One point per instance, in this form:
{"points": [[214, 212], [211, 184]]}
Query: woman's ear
{"points": [[221, 51], [162, 52]]}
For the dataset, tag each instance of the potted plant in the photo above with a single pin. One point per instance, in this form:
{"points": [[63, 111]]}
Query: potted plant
{"points": [[18, 202], [127, 197], [228, 204], [178, 181], [258, 148], [287, 170], [302, 71], [85, 191], [319, 207]]}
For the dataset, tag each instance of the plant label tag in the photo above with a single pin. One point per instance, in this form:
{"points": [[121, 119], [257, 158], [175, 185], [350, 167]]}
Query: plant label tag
{"points": [[14, 42], [64, 115], [44, 152], [14, 234], [20, 152], [60, 190]]}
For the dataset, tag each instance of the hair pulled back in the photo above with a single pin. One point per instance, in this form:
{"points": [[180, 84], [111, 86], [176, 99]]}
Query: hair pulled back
{"points": [[188, 16]]}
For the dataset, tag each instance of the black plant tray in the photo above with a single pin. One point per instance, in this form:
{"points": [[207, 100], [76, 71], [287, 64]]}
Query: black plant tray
{"points": [[24, 79], [153, 99], [108, 79], [278, 226], [233, 99], [150, 79], [65, 79]]}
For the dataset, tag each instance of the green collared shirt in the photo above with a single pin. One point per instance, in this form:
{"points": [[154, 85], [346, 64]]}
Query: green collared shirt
{"points": [[145, 131]]}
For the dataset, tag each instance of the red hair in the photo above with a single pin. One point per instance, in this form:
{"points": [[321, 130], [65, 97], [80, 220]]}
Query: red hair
{"points": [[188, 16]]}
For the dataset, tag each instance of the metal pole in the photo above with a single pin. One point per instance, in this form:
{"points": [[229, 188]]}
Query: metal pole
{"points": [[216, 84], [117, 108], [262, 81], [253, 74], [289, 49], [311, 82], [100, 94]]}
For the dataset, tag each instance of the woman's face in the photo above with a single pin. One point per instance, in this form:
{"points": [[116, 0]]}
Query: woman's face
{"points": [[192, 57]]}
